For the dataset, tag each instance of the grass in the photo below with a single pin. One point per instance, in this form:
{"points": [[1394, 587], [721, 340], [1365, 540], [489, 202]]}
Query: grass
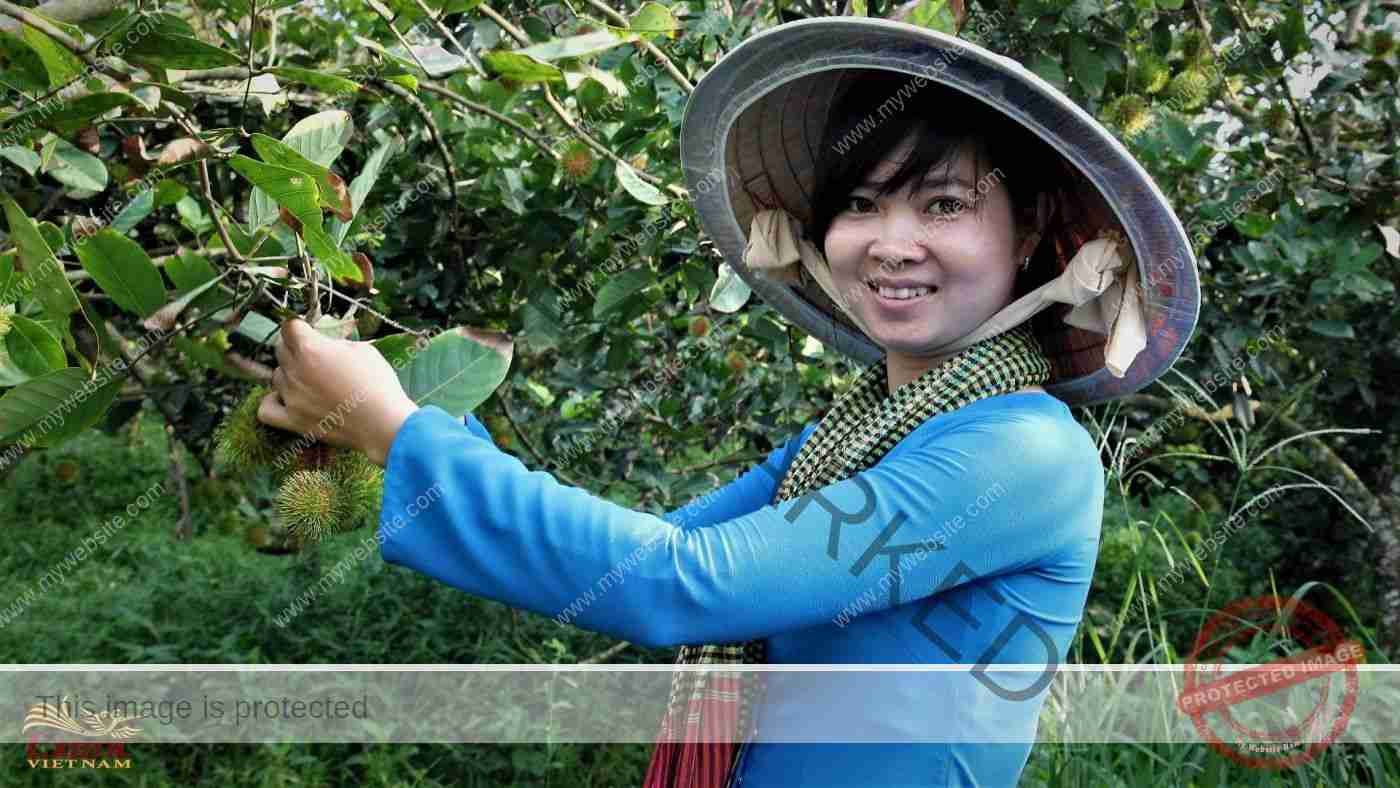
{"points": [[146, 598]]}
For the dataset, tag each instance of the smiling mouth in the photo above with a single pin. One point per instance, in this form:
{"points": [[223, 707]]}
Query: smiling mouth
{"points": [[901, 294]]}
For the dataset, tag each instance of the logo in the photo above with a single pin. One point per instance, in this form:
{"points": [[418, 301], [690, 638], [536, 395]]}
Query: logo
{"points": [[1249, 715], [49, 720]]}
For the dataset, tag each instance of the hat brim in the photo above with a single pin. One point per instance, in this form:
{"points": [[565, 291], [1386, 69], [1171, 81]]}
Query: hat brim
{"points": [[748, 141]]}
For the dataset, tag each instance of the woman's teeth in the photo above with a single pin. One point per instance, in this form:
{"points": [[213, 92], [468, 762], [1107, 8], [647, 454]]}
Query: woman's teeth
{"points": [[901, 293]]}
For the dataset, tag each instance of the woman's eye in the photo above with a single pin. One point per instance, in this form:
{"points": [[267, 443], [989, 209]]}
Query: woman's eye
{"points": [[858, 204], [948, 206]]}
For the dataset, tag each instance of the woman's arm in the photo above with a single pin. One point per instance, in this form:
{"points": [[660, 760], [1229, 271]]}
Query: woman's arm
{"points": [[751, 490], [998, 495]]}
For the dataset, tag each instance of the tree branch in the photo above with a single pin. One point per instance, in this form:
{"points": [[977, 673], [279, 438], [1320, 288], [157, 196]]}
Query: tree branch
{"points": [[651, 48], [69, 11], [491, 113], [427, 117]]}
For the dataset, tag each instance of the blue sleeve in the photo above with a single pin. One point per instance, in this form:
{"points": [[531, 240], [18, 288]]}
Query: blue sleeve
{"points": [[478, 429], [475, 518], [750, 491]]}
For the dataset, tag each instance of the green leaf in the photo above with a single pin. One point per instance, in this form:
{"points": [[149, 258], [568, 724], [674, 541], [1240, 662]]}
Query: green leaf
{"points": [[51, 287], [1336, 329], [935, 15], [619, 288], [52, 236], [539, 393], [458, 369], [136, 209], [124, 271], [363, 183], [10, 279], [328, 83], [23, 158], [62, 66], [637, 187], [1293, 34], [653, 18], [257, 327], [435, 60], [169, 50], [575, 46], [51, 409], [32, 348], [730, 292], [23, 68], [169, 192], [1048, 69], [80, 112], [521, 68], [405, 81], [205, 356], [319, 138], [192, 215], [297, 193], [332, 190], [189, 271], [397, 349], [1087, 66], [76, 168]]}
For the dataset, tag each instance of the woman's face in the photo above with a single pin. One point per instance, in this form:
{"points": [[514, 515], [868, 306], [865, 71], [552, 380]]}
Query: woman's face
{"points": [[955, 237]]}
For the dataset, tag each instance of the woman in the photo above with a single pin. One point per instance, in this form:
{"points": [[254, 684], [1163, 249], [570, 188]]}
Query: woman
{"points": [[946, 509]]}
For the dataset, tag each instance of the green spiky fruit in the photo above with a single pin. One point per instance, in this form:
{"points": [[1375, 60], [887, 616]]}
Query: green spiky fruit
{"points": [[1150, 73], [1132, 114], [577, 162], [361, 485], [244, 444], [700, 327], [219, 340], [1189, 89], [311, 505], [1195, 47], [736, 362]]}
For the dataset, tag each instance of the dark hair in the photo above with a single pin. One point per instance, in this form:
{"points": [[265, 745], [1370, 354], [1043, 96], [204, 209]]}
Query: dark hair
{"points": [[945, 120]]}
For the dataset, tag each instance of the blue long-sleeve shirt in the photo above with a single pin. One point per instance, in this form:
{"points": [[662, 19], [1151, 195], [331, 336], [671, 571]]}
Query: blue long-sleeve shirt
{"points": [[972, 541]]}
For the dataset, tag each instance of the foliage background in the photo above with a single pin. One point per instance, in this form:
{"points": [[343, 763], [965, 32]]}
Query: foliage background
{"points": [[536, 207]]}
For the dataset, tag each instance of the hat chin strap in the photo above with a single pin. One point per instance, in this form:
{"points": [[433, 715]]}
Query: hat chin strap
{"points": [[1100, 282]]}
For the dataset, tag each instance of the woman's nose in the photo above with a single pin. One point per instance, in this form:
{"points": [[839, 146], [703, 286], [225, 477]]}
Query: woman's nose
{"points": [[899, 239]]}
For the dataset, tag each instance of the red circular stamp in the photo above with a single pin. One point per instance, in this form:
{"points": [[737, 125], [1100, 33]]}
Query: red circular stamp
{"points": [[1246, 714]]}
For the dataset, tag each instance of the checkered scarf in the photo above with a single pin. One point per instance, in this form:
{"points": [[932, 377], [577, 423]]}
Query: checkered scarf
{"points": [[711, 714]]}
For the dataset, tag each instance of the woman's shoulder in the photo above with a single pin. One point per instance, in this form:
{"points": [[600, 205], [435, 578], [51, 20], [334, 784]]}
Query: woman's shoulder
{"points": [[1026, 424]]}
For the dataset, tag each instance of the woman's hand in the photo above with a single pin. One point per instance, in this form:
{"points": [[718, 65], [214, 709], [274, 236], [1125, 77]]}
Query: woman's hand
{"points": [[339, 392]]}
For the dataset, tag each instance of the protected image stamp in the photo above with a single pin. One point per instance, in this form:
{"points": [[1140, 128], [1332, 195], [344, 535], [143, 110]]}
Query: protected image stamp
{"points": [[1252, 715]]}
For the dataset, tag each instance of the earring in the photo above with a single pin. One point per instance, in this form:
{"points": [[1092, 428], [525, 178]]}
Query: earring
{"points": [[1026, 263]]}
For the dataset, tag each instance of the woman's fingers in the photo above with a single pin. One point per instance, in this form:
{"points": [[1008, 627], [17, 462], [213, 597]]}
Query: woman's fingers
{"points": [[274, 414]]}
